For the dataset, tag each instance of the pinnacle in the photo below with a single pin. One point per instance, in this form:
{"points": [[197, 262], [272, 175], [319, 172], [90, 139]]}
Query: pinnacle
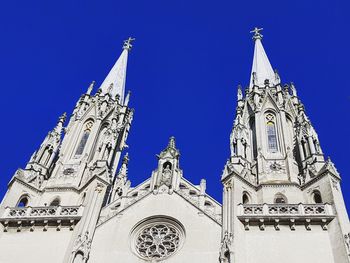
{"points": [[172, 142], [126, 159]]}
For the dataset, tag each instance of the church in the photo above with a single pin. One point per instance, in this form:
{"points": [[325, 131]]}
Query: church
{"points": [[73, 202]]}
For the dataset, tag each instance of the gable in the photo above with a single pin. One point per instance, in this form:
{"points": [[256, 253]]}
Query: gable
{"points": [[114, 238]]}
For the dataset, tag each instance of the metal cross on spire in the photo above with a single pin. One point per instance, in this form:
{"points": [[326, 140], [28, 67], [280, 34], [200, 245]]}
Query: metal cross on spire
{"points": [[127, 43], [257, 34]]}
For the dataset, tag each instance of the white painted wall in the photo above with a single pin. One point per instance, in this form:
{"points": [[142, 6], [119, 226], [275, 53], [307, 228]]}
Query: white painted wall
{"points": [[112, 239]]}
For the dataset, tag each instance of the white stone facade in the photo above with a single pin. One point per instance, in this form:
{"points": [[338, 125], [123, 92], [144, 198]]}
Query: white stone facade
{"points": [[282, 200]]}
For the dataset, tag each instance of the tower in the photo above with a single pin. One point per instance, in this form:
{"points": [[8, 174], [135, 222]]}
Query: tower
{"points": [[278, 189], [65, 181]]}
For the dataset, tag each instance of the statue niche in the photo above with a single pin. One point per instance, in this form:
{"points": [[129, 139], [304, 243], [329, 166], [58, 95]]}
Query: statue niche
{"points": [[166, 175]]}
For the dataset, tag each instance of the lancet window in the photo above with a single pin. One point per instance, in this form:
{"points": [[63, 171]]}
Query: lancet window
{"points": [[84, 138], [245, 198], [317, 197], [23, 201], [280, 199], [55, 202], [271, 133]]}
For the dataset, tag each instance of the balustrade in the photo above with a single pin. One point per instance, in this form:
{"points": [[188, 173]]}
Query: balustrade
{"points": [[307, 210], [41, 212]]}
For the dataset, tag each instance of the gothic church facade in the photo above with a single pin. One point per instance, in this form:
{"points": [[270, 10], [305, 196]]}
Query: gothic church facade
{"points": [[282, 199]]}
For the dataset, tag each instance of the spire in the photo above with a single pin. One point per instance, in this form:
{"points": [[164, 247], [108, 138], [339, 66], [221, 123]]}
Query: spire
{"points": [[116, 78], [261, 69]]}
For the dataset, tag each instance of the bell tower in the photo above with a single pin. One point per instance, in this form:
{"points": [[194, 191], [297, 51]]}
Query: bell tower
{"points": [[69, 177], [277, 177]]}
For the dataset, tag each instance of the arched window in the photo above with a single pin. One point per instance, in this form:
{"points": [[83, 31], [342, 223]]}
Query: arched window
{"points": [[79, 257], [23, 201], [208, 204], [45, 157], [271, 133], [280, 199], [55, 202], [245, 198], [317, 198], [167, 165], [83, 140]]}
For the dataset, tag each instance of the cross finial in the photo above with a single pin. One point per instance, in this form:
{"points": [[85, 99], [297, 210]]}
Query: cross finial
{"points": [[127, 43], [257, 34]]}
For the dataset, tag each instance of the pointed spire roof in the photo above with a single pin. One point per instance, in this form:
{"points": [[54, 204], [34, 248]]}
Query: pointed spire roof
{"points": [[261, 68], [114, 83]]}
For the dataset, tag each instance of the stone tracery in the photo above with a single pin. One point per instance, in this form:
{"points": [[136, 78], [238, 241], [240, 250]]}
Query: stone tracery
{"points": [[157, 240]]}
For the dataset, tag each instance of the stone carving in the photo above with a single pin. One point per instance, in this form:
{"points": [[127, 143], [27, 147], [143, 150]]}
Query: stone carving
{"points": [[166, 175], [82, 246], [157, 241], [99, 187], [68, 171], [225, 251], [335, 184], [276, 167], [347, 242]]}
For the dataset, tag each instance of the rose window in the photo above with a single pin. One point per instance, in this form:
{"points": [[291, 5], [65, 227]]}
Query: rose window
{"points": [[157, 240]]}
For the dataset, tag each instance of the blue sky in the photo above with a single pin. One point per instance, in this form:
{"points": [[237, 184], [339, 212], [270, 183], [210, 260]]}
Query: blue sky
{"points": [[187, 60]]}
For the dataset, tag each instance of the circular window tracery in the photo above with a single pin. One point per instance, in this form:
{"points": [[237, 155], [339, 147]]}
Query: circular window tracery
{"points": [[157, 238]]}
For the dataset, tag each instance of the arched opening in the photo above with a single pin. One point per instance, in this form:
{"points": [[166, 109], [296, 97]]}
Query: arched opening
{"points": [[23, 201], [317, 198], [55, 202], [271, 133], [253, 137], [280, 199], [192, 192], [84, 138], [183, 187], [245, 198], [45, 157], [79, 257], [167, 165], [208, 204]]}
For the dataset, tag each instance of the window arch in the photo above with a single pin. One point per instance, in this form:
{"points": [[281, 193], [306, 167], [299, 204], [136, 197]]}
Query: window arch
{"points": [[23, 201], [208, 204], [316, 197], [46, 155], [280, 199], [167, 165], [55, 202], [271, 133], [79, 257], [245, 198], [83, 140]]}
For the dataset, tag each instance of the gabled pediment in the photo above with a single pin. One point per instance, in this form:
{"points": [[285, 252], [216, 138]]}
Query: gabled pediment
{"points": [[269, 102], [187, 191]]}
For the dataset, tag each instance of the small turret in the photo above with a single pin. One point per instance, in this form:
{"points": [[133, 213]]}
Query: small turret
{"points": [[168, 174], [121, 184], [42, 159]]}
